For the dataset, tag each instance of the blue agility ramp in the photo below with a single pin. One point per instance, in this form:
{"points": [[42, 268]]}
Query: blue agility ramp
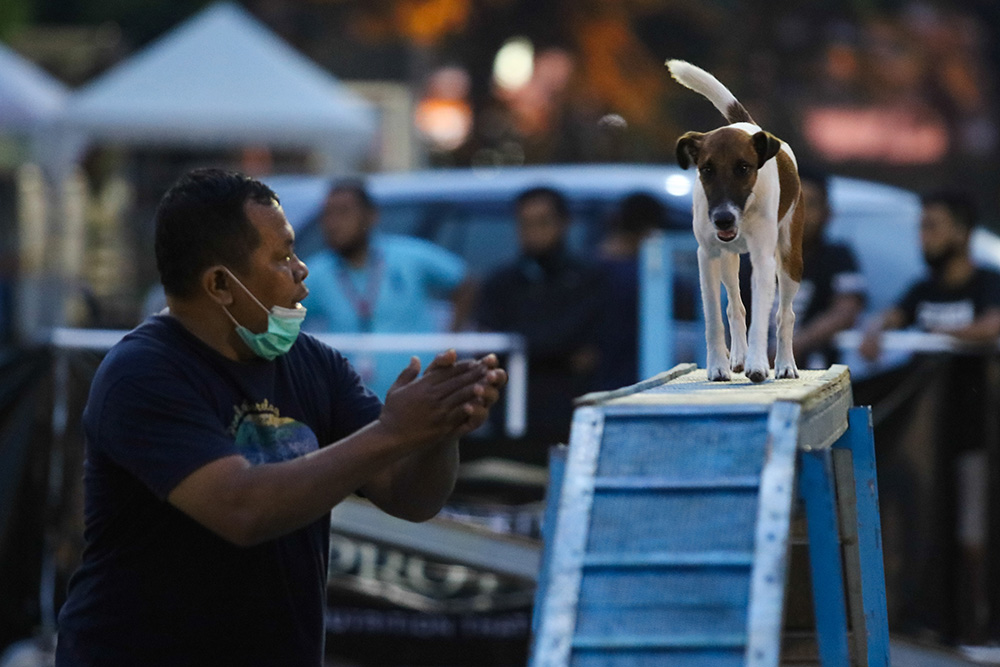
{"points": [[670, 523]]}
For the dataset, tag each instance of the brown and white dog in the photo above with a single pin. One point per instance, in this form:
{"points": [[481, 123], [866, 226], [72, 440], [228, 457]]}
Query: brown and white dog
{"points": [[744, 201]]}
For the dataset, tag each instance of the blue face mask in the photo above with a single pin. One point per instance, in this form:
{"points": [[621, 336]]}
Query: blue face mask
{"points": [[283, 326]]}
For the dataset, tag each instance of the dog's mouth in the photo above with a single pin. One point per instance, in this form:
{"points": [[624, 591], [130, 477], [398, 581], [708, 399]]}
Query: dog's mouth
{"points": [[727, 235]]}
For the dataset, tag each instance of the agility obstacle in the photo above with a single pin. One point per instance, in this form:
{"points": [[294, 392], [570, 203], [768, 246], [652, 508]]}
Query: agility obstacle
{"points": [[672, 516]]}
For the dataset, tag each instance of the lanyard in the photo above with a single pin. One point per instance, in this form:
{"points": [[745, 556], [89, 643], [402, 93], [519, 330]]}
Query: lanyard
{"points": [[364, 304]]}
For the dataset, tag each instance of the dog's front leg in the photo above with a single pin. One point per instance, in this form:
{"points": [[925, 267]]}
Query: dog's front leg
{"points": [[735, 311], [764, 267], [709, 274]]}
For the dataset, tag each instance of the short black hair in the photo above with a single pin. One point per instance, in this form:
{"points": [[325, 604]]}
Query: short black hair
{"points": [[961, 205], [557, 199], [357, 187], [201, 221], [640, 212]]}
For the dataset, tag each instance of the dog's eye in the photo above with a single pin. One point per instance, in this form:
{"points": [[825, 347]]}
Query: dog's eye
{"points": [[707, 170], [742, 169]]}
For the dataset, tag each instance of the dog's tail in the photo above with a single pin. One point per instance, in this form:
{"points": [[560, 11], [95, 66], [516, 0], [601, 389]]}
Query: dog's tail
{"points": [[702, 82]]}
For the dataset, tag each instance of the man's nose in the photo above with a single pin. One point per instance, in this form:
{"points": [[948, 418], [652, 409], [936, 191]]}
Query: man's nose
{"points": [[301, 271]]}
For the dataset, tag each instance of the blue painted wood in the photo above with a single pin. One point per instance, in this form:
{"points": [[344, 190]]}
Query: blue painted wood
{"points": [[658, 658], [816, 488], [771, 530], [557, 469], [657, 339], [558, 609], [860, 439], [709, 602], [670, 559], [688, 446], [675, 641]]}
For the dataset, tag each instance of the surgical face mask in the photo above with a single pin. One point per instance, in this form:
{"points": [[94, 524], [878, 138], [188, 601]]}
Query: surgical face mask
{"points": [[282, 328]]}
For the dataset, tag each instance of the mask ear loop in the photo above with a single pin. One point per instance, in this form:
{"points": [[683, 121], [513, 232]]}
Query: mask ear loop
{"points": [[255, 299]]}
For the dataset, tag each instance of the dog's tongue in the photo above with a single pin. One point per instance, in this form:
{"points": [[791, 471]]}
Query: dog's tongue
{"points": [[727, 235]]}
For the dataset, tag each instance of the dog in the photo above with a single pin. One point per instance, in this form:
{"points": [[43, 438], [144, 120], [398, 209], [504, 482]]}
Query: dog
{"points": [[747, 198]]}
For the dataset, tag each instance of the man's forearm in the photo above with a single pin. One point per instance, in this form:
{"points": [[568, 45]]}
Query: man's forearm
{"points": [[416, 487]]}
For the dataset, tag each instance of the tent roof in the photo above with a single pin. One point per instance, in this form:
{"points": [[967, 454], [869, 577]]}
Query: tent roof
{"points": [[221, 78], [28, 94]]}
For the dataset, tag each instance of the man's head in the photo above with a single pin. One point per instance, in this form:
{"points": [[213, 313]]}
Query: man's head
{"points": [[348, 217], [226, 255], [542, 221], [640, 213], [946, 223], [815, 203], [202, 221]]}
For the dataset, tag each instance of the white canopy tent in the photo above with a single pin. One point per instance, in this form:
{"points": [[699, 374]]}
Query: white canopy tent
{"points": [[219, 79], [28, 94]]}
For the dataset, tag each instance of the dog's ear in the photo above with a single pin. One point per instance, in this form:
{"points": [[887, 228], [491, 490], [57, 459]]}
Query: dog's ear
{"points": [[687, 149], [767, 146]]}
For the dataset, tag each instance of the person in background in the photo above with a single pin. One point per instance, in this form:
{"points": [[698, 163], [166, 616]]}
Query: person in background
{"points": [[832, 293], [639, 214], [369, 282], [218, 439], [962, 300], [557, 301]]}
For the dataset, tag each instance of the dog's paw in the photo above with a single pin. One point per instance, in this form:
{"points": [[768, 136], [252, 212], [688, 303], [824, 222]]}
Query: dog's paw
{"points": [[738, 357], [757, 375], [788, 372], [718, 374]]}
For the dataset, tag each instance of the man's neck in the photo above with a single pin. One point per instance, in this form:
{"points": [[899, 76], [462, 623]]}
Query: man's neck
{"points": [[218, 333], [357, 257], [956, 272]]}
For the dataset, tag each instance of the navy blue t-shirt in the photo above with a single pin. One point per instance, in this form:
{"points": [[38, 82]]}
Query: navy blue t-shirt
{"points": [[157, 588]]}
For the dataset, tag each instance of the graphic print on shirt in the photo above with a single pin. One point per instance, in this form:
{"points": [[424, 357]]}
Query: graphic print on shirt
{"points": [[946, 315], [264, 436]]}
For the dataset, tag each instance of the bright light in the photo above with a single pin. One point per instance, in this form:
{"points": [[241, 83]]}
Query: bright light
{"points": [[677, 185], [514, 64]]}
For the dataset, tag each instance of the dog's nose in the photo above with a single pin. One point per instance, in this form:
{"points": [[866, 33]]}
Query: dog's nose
{"points": [[724, 220]]}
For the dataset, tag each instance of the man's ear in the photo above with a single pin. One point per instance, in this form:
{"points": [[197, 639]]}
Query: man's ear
{"points": [[687, 148], [217, 283], [767, 146]]}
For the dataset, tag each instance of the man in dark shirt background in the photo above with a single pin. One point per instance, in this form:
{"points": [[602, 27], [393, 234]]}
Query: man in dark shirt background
{"points": [[831, 295], [960, 299], [557, 302]]}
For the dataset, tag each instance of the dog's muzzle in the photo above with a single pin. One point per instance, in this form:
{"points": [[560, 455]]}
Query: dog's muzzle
{"points": [[725, 225]]}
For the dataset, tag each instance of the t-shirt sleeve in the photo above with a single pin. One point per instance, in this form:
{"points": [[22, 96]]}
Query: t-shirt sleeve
{"points": [[160, 428], [352, 405], [989, 295], [442, 270]]}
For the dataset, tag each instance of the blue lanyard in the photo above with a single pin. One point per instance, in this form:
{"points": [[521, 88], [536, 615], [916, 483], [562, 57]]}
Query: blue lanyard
{"points": [[364, 304]]}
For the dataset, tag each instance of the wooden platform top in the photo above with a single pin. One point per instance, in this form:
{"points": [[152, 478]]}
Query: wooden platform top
{"points": [[686, 384]]}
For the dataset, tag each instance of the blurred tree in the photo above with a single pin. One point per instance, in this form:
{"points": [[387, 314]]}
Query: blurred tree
{"points": [[14, 14]]}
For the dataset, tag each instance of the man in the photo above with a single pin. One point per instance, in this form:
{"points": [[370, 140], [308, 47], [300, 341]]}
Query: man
{"points": [[557, 302], [957, 297], [962, 300], [365, 282], [218, 440], [831, 295]]}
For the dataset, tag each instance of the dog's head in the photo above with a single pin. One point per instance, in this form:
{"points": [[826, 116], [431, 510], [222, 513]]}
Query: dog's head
{"points": [[728, 160]]}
